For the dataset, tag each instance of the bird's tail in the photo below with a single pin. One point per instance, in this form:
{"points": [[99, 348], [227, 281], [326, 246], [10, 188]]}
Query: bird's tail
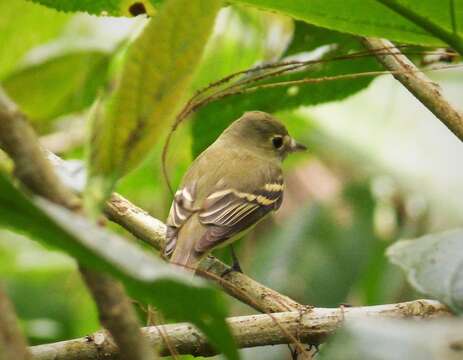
{"points": [[185, 254], [188, 260]]}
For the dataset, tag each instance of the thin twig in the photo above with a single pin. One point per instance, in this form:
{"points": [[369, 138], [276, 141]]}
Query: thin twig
{"points": [[171, 350], [249, 331], [322, 79]]}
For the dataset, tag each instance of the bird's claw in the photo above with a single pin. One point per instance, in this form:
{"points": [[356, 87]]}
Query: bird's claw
{"points": [[234, 268]]}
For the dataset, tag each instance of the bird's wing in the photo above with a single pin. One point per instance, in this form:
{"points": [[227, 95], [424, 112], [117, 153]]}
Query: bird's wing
{"points": [[230, 211]]}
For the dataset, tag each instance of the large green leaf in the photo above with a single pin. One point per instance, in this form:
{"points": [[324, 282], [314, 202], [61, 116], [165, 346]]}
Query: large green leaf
{"points": [[368, 17], [24, 25], [153, 83], [102, 7], [434, 265], [215, 117], [396, 340], [71, 82], [145, 276]]}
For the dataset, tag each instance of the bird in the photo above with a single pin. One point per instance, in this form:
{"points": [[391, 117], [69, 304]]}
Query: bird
{"points": [[231, 186]]}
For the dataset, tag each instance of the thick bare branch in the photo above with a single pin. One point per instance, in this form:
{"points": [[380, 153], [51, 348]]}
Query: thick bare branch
{"points": [[238, 285], [425, 90], [12, 343], [311, 327], [18, 139]]}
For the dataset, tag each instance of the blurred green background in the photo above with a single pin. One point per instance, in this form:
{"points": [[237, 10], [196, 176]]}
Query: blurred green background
{"points": [[378, 168]]}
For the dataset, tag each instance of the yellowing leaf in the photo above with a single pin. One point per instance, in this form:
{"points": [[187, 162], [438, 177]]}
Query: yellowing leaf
{"points": [[156, 75]]}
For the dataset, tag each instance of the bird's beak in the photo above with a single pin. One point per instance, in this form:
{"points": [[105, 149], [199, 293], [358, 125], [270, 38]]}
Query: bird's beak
{"points": [[294, 146]]}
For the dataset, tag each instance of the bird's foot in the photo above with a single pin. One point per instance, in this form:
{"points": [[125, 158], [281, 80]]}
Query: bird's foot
{"points": [[234, 268], [236, 263]]}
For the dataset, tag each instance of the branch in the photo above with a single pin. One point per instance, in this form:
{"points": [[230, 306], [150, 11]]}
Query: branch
{"points": [[18, 139], [13, 346], [238, 285], [426, 91], [310, 327], [451, 38]]}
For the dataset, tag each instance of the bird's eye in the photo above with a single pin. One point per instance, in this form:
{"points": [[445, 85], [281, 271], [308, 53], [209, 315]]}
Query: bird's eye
{"points": [[277, 142]]}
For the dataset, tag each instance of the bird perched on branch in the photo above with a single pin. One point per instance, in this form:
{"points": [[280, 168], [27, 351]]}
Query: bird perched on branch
{"points": [[229, 188]]}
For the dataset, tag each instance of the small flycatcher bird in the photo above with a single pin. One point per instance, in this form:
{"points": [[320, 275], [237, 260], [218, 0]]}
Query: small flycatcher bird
{"points": [[229, 188]]}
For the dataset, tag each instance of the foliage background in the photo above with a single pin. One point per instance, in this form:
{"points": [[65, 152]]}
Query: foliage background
{"points": [[380, 166]]}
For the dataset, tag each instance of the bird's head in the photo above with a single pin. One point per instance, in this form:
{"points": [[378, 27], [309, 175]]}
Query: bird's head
{"points": [[262, 133]]}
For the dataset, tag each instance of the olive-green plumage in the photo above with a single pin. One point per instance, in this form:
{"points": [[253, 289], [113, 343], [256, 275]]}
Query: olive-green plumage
{"points": [[230, 187]]}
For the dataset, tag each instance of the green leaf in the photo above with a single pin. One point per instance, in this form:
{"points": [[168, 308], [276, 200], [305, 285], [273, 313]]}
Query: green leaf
{"points": [[146, 277], [71, 82], [367, 17], [396, 340], [215, 117], [24, 25], [434, 265], [102, 7], [151, 87]]}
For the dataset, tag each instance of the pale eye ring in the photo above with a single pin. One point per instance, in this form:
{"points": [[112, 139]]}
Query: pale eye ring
{"points": [[277, 142]]}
